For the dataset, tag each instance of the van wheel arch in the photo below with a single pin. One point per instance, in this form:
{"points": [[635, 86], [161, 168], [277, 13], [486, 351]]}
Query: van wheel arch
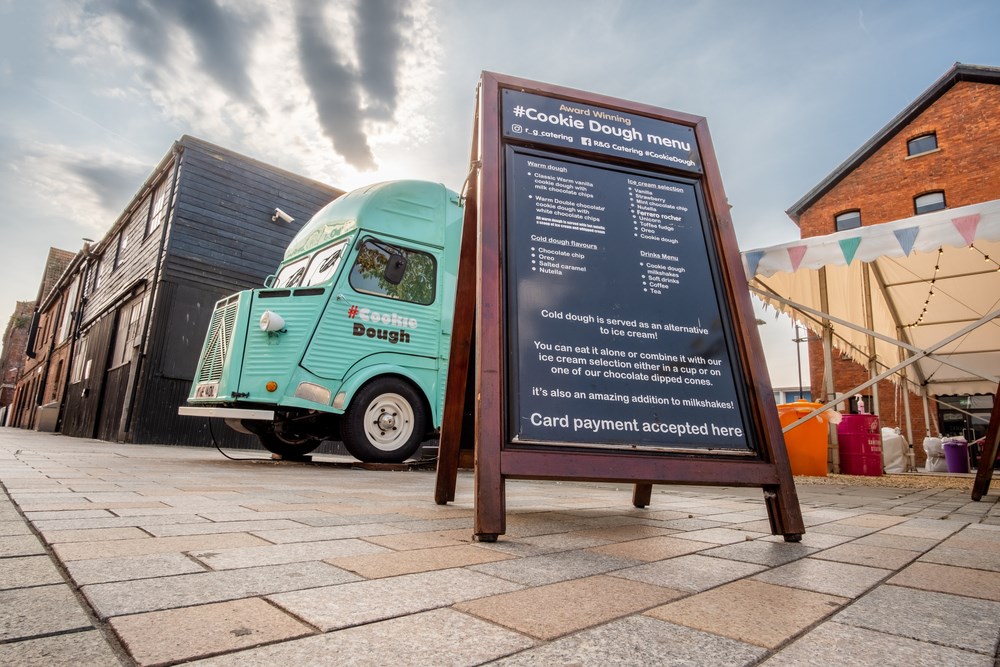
{"points": [[386, 420]]}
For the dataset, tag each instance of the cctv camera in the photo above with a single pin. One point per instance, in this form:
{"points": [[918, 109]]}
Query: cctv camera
{"points": [[278, 213]]}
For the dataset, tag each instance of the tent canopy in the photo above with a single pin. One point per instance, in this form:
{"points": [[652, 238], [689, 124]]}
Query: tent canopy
{"points": [[932, 282]]}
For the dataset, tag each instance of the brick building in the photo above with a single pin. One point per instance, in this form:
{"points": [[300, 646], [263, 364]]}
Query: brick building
{"points": [[15, 340], [942, 151], [31, 386]]}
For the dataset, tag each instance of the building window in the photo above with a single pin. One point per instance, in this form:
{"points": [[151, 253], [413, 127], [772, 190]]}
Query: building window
{"points": [[848, 220], [932, 201], [925, 143], [120, 249], [160, 206]]}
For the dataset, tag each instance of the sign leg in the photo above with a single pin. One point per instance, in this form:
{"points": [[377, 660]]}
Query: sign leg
{"points": [[642, 494]]}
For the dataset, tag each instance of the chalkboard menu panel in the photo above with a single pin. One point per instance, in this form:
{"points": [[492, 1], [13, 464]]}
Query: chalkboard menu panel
{"points": [[616, 334]]}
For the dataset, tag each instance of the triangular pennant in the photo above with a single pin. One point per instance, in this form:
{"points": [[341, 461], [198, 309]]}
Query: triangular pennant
{"points": [[849, 247], [753, 261], [906, 237], [966, 226], [796, 253]]}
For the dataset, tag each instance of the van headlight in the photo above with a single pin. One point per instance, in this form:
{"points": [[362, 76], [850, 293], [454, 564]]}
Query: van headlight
{"points": [[271, 322]]}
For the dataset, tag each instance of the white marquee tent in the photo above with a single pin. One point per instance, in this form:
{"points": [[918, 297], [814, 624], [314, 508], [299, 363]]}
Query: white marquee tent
{"points": [[916, 300]]}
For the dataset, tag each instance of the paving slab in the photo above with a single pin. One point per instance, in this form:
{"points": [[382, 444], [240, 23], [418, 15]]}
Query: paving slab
{"points": [[95, 535], [21, 545], [651, 548], [836, 644], [105, 570], [326, 533], [866, 554], [46, 527], [26, 571], [693, 573], [334, 607], [14, 526], [949, 620], [947, 579], [459, 641], [751, 611], [719, 535], [919, 544], [550, 568], [557, 609], [277, 554], [72, 551], [932, 528], [409, 541], [639, 640], [76, 649], [842, 579], [978, 559], [394, 563], [164, 637], [28, 612], [620, 533], [762, 552], [132, 597]]}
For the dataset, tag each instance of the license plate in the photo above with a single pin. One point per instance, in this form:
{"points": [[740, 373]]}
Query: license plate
{"points": [[207, 390]]}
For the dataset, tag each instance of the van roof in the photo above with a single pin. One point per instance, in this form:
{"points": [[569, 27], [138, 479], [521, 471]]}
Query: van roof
{"points": [[408, 209]]}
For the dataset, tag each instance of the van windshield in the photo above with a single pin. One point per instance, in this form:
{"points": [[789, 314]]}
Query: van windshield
{"points": [[325, 263], [313, 269]]}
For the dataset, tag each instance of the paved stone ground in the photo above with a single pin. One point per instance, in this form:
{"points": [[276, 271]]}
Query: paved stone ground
{"points": [[142, 555]]}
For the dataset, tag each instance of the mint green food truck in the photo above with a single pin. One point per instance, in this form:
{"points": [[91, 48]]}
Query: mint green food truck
{"points": [[349, 340]]}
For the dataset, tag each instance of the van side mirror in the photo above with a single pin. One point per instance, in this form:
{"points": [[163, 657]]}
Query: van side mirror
{"points": [[269, 281], [395, 268]]}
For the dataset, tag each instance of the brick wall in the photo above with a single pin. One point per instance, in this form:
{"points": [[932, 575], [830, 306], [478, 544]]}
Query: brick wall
{"points": [[966, 166], [12, 358]]}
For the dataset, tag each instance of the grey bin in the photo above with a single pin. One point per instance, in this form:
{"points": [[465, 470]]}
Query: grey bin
{"points": [[46, 417]]}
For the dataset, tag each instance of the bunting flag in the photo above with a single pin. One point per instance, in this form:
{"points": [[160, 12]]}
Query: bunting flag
{"points": [[966, 226], [906, 237], [753, 261], [849, 247], [796, 253]]}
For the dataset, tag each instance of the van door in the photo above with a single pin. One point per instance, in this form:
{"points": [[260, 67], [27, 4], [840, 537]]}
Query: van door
{"points": [[387, 304]]}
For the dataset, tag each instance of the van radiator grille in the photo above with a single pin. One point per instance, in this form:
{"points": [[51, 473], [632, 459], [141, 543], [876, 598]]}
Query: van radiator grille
{"points": [[220, 336]]}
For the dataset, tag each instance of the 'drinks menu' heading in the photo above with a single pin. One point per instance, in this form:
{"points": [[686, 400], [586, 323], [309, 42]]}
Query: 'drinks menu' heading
{"points": [[556, 122]]}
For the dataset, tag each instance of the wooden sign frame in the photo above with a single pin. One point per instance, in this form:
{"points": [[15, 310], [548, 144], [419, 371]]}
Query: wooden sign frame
{"points": [[476, 405]]}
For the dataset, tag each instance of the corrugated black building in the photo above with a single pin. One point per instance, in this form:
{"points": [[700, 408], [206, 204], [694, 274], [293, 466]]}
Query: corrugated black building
{"points": [[201, 227]]}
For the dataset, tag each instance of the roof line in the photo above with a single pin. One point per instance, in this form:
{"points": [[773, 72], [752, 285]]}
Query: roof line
{"points": [[958, 72]]}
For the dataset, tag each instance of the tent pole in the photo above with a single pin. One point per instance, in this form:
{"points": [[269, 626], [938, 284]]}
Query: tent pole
{"points": [[833, 457], [866, 287], [906, 404]]}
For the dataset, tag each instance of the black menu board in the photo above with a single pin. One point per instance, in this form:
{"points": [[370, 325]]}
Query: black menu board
{"points": [[616, 334]]}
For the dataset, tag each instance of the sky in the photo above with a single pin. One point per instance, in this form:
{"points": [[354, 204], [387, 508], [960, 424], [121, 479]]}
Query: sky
{"points": [[94, 92]]}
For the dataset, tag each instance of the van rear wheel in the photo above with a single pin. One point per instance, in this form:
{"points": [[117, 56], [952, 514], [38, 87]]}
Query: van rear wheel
{"points": [[385, 422]]}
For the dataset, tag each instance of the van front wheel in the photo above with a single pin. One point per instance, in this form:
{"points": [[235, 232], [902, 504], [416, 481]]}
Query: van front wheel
{"points": [[385, 422], [287, 445]]}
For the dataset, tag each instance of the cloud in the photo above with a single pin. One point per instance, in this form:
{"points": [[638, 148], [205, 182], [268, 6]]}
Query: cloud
{"points": [[112, 183], [90, 188], [333, 86], [218, 36], [380, 39], [325, 89]]}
